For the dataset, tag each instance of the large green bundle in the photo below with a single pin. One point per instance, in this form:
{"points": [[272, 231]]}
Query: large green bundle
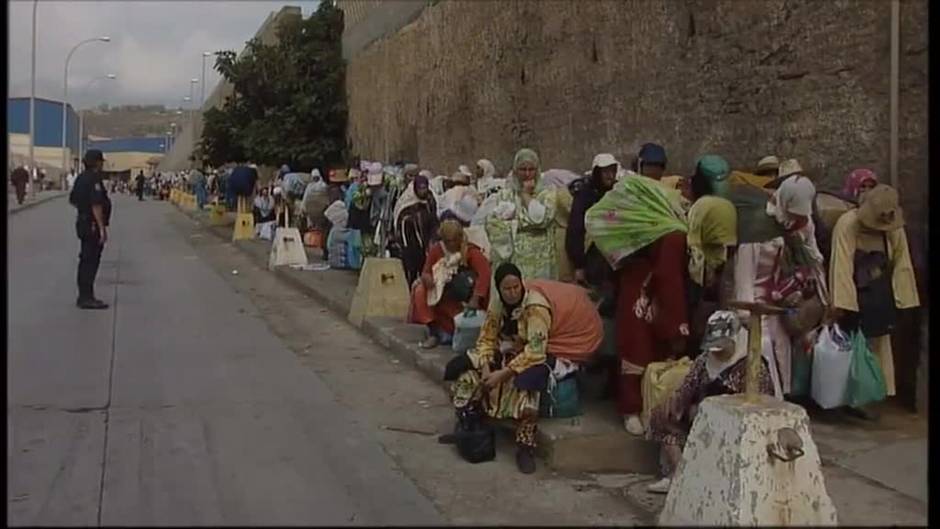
{"points": [[637, 212]]}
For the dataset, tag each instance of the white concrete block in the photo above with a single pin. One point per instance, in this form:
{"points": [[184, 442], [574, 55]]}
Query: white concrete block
{"points": [[726, 476]]}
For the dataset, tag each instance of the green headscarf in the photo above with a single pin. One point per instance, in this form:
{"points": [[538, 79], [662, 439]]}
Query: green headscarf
{"points": [[637, 212], [522, 156], [716, 169], [526, 155]]}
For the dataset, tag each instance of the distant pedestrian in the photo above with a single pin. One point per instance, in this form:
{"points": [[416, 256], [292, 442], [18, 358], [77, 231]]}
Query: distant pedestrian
{"points": [[94, 211], [19, 178], [140, 186]]}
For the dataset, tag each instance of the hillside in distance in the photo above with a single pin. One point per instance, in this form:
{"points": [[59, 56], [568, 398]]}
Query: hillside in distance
{"points": [[133, 120]]}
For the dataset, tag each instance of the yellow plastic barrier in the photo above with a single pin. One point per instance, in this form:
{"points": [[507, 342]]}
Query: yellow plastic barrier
{"points": [[244, 222]]}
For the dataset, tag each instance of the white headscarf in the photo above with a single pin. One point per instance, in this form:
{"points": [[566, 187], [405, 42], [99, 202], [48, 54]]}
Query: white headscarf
{"points": [[489, 170], [337, 214]]}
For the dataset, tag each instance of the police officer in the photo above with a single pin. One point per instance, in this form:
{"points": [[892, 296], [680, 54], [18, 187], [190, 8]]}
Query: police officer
{"points": [[94, 213]]}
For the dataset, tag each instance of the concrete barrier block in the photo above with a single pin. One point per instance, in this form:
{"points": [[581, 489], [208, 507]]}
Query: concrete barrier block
{"points": [[728, 477], [382, 291]]}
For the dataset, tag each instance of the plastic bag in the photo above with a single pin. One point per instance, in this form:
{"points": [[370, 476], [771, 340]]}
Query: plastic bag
{"points": [[345, 247], [832, 358], [561, 399], [265, 230], [660, 380], [866, 382], [467, 329]]}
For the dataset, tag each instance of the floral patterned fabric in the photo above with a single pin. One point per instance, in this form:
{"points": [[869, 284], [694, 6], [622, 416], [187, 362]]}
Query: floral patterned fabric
{"points": [[631, 216], [528, 240]]}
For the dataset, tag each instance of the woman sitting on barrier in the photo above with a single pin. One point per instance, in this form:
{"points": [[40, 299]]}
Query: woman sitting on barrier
{"points": [[534, 329], [455, 274], [721, 370]]}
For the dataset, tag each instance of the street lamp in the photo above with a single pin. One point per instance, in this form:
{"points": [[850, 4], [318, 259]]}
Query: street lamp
{"points": [[81, 114], [202, 100], [65, 91], [32, 111], [192, 120]]}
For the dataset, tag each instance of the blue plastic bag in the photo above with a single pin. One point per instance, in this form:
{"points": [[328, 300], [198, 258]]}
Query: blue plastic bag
{"points": [[345, 248], [467, 329], [866, 381]]}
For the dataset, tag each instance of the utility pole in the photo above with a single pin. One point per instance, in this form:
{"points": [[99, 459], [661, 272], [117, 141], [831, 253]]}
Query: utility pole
{"points": [[32, 112]]}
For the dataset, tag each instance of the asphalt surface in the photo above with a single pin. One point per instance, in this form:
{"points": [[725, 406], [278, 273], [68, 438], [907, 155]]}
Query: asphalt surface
{"points": [[175, 406]]}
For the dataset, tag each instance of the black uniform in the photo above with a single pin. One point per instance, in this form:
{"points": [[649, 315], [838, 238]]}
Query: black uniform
{"points": [[88, 191]]}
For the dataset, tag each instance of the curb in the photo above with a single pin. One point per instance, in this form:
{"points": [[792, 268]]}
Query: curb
{"points": [[18, 208]]}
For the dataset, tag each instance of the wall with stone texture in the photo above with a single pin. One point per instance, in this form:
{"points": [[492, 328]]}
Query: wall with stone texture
{"points": [[807, 79]]}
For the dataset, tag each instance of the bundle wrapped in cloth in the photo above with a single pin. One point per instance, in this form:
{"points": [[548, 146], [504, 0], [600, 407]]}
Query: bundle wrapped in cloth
{"points": [[295, 183], [634, 214], [316, 200]]}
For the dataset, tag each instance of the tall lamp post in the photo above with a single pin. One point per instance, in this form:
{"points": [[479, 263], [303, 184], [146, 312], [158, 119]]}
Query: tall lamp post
{"points": [[65, 96], [202, 100], [192, 120], [81, 114], [32, 111]]}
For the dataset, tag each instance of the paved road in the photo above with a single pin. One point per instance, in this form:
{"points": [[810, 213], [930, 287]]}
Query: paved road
{"points": [[175, 406]]}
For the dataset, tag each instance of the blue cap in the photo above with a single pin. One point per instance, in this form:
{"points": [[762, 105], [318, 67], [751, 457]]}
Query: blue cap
{"points": [[653, 154]]}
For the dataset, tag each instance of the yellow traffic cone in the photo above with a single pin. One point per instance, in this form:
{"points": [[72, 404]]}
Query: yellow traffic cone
{"points": [[244, 222]]}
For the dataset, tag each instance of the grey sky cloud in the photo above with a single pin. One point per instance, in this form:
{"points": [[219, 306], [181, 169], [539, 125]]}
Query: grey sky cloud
{"points": [[155, 48]]}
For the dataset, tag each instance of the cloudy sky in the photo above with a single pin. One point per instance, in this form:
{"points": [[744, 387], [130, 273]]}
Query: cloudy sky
{"points": [[155, 49]]}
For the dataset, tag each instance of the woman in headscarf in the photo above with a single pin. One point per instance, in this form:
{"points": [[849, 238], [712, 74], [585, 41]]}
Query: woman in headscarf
{"points": [[525, 237], [263, 206], [640, 227], [315, 200], [455, 276], [415, 225], [485, 176], [721, 369], [871, 274], [712, 239], [360, 206], [535, 331], [783, 268], [409, 173], [857, 183]]}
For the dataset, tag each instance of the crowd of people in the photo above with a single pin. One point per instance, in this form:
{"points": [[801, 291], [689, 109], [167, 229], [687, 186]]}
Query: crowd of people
{"points": [[551, 254]]}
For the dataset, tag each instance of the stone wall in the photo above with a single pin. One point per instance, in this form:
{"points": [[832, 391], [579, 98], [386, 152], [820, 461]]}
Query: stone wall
{"points": [[365, 21], [805, 79]]}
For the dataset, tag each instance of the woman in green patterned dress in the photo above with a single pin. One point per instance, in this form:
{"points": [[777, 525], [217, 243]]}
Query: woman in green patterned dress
{"points": [[521, 229]]}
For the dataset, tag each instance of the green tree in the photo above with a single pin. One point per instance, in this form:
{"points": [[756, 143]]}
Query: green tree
{"points": [[289, 101]]}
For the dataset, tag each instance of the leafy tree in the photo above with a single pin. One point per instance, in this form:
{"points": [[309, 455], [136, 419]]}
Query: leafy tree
{"points": [[289, 101]]}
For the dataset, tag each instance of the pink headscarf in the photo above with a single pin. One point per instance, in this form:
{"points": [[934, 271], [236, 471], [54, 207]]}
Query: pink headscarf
{"points": [[855, 180]]}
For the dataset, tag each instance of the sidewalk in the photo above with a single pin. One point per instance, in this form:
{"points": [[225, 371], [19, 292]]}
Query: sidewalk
{"points": [[42, 196], [875, 472]]}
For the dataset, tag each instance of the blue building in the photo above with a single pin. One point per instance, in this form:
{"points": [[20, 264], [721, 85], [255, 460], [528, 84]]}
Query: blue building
{"points": [[48, 122], [152, 144]]}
